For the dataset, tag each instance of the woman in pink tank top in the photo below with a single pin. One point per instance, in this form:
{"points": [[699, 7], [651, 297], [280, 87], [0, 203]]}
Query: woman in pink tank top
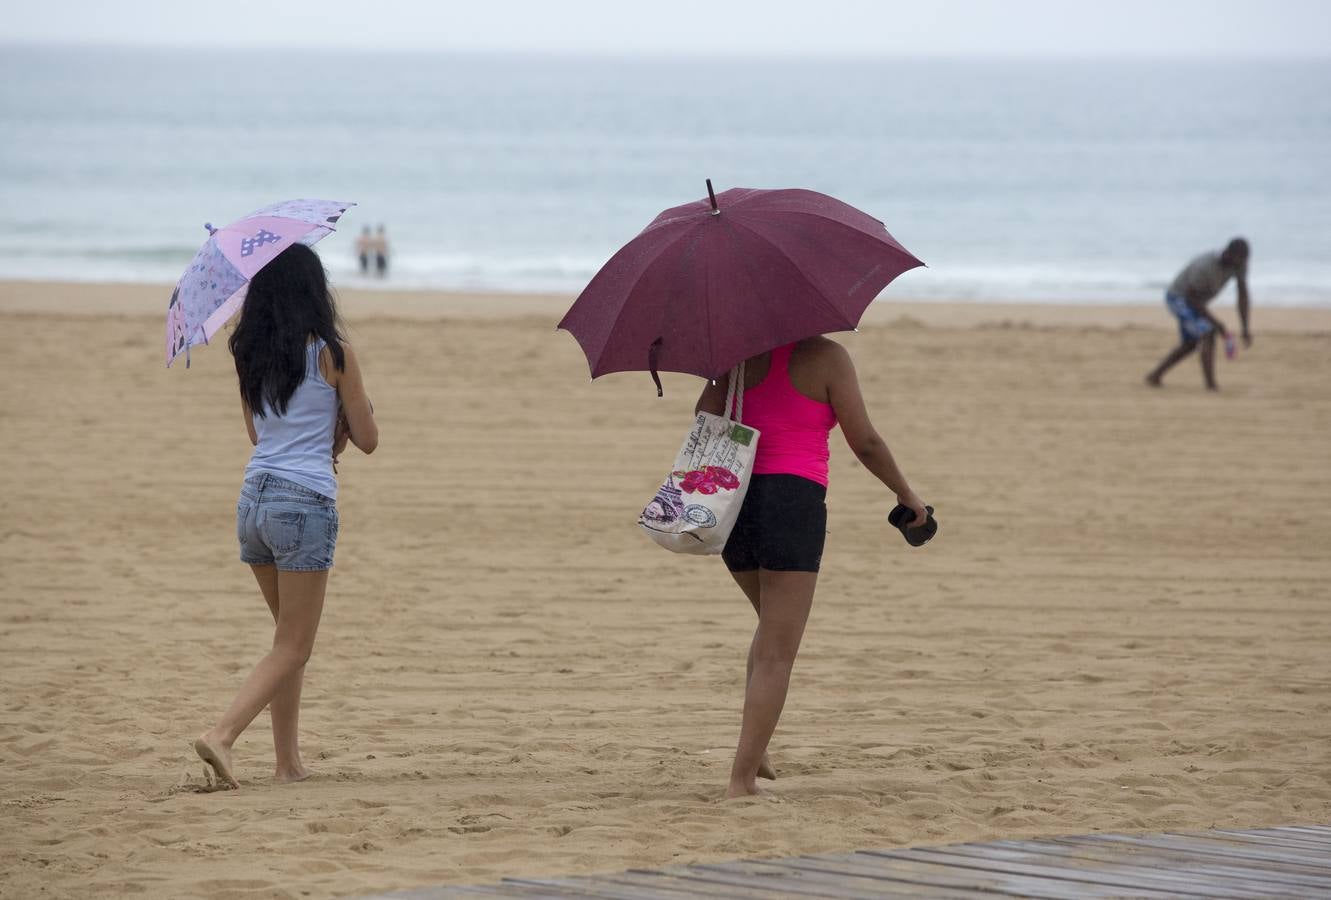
{"points": [[794, 395]]}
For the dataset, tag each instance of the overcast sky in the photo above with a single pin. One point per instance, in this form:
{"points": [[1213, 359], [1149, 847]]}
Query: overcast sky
{"points": [[1024, 28]]}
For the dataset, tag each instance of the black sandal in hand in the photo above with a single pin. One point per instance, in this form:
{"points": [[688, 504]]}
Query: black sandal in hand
{"points": [[916, 535]]}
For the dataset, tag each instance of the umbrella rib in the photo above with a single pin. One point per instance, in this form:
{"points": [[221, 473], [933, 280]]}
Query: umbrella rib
{"points": [[867, 232], [619, 315], [707, 325], [818, 291], [891, 243], [748, 272]]}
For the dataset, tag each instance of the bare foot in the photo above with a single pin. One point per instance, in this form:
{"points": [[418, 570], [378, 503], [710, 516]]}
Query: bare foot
{"points": [[740, 789], [765, 769], [219, 757], [291, 776]]}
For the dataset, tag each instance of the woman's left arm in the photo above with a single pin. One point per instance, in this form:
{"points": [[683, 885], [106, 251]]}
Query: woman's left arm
{"points": [[843, 390]]}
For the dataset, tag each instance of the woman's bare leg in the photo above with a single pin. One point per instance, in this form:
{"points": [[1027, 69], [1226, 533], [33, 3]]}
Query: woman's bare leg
{"points": [[786, 598], [748, 583], [302, 597], [284, 708]]}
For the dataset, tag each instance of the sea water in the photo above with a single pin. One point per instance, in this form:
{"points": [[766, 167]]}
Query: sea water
{"points": [[1060, 181]]}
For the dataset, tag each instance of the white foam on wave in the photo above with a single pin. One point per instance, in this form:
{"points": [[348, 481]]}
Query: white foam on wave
{"points": [[1275, 284]]}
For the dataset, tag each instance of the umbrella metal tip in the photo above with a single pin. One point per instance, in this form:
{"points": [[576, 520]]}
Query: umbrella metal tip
{"points": [[209, 226]]}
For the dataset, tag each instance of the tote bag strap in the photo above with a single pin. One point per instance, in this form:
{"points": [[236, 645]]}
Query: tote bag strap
{"points": [[735, 394]]}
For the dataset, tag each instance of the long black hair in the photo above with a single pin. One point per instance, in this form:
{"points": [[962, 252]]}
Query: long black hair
{"points": [[287, 304]]}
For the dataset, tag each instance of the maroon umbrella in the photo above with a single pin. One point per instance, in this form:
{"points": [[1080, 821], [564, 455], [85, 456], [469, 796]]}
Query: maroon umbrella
{"points": [[713, 282]]}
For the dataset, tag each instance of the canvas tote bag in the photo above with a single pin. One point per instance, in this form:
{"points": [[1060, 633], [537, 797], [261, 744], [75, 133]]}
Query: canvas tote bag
{"points": [[696, 507]]}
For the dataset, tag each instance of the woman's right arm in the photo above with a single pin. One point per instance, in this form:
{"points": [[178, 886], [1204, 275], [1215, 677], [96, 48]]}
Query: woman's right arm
{"points": [[843, 390], [356, 406]]}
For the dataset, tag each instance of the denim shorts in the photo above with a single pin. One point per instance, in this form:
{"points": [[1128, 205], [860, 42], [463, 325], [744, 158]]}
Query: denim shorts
{"points": [[279, 522]]}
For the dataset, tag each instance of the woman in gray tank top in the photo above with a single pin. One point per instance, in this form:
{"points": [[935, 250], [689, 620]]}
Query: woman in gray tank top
{"points": [[304, 399]]}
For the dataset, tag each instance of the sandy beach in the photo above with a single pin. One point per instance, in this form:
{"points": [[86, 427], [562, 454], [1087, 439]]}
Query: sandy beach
{"points": [[1121, 626]]}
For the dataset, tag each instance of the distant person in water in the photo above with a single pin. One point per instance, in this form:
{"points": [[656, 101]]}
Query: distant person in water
{"points": [[1187, 298], [364, 247], [379, 243]]}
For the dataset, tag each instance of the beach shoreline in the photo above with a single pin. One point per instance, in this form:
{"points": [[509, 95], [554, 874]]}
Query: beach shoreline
{"points": [[357, 304]]}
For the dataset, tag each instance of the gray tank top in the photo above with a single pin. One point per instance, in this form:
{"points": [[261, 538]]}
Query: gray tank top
{"points": [[298, 446]]}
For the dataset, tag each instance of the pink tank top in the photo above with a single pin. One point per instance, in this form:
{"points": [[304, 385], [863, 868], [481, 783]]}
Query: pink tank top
{"points": [[794, 428]]}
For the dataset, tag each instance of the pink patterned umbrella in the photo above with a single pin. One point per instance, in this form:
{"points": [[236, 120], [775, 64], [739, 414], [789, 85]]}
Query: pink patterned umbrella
{"points": [[713, 282], [214, 285]]}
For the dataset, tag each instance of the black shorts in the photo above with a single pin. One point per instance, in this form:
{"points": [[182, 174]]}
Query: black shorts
{"points": [[781, 527]]}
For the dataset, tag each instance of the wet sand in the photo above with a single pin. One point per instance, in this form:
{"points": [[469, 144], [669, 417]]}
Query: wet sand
{"points": [[1121, 626]]}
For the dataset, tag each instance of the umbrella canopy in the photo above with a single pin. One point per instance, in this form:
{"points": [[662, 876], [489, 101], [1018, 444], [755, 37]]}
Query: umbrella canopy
{"points": [[214, 285], [716, 281]]}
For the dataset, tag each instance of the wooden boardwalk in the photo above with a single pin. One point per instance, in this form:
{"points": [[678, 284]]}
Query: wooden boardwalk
{"points": [[1268, 862]]}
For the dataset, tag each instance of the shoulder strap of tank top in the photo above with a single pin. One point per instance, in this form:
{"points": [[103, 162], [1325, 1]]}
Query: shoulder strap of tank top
{"points": [[312, 351]]}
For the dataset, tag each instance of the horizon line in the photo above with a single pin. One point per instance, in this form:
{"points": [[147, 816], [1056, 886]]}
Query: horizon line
{"points": [[631, 54]]}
